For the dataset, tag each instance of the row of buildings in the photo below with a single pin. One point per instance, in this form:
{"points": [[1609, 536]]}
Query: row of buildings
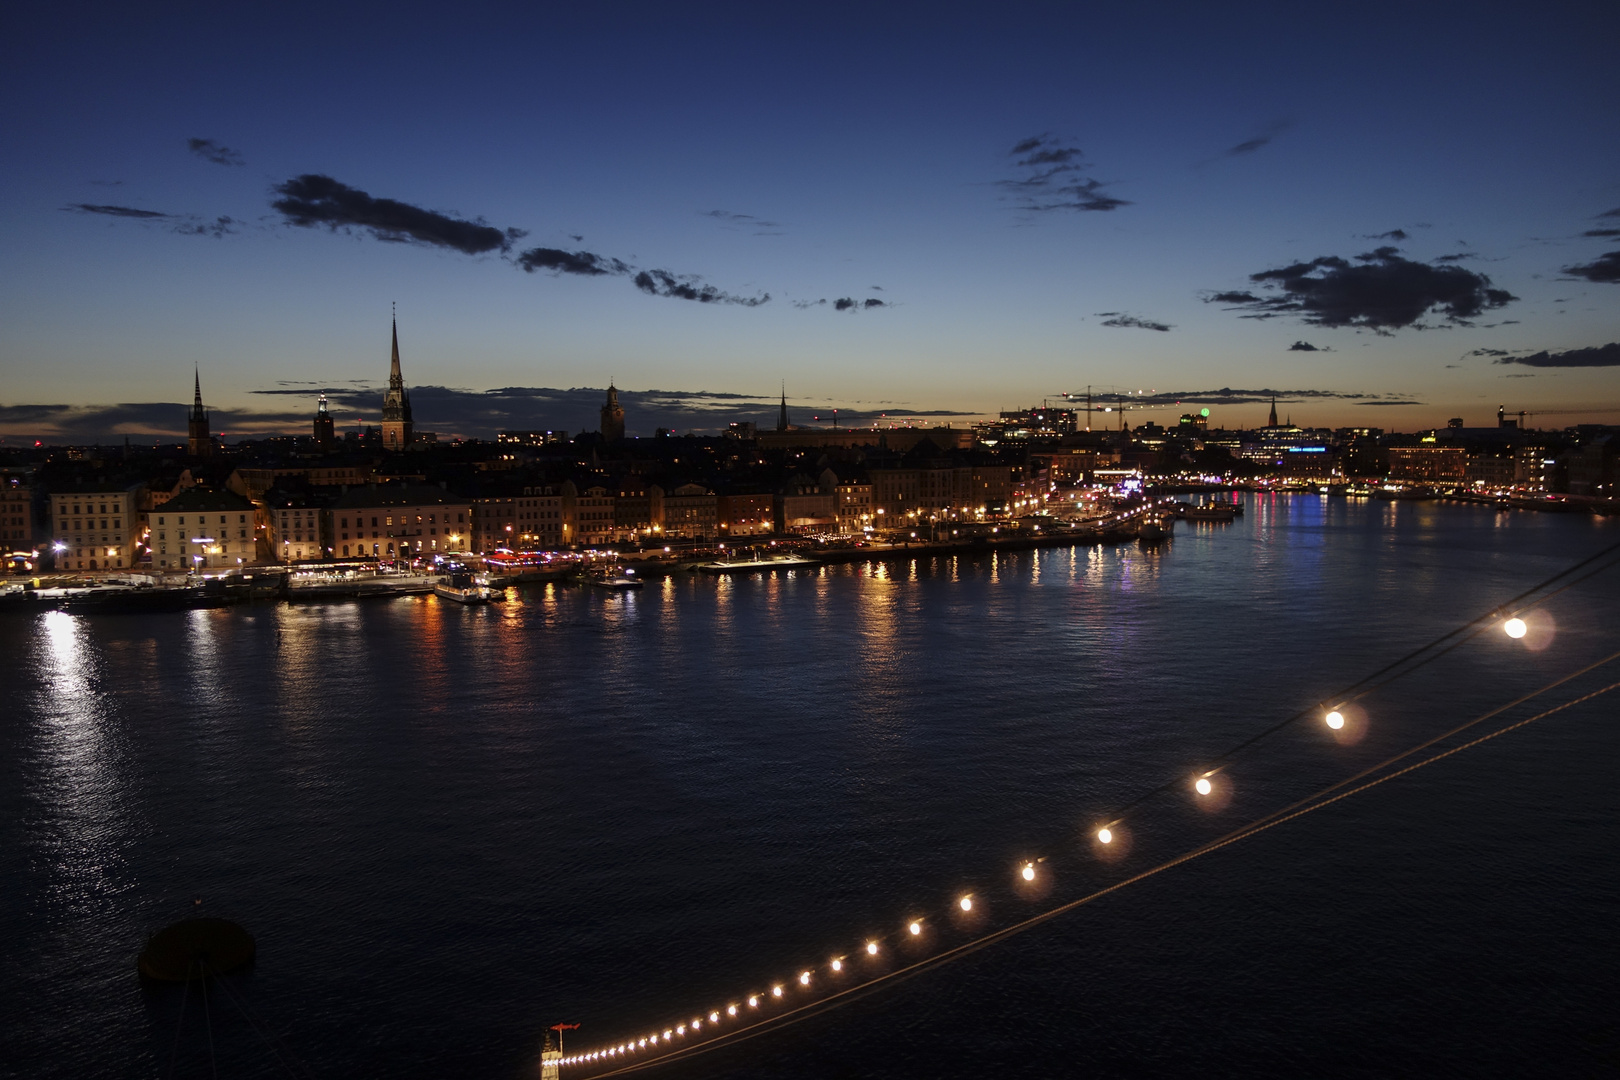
{"points": [[399, 493]]}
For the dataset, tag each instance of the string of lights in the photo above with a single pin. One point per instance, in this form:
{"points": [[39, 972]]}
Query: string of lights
{"points": [[755, 1012]]}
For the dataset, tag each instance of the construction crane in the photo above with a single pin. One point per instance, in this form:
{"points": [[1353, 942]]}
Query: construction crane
{"points": [[1119, 405]]}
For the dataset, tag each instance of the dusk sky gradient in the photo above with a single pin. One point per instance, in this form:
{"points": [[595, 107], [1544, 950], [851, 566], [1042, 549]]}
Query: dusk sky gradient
{"points": [[586, 191]]}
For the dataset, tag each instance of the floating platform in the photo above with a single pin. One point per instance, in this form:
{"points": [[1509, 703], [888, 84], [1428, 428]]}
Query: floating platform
{"points": [[193, 948]]}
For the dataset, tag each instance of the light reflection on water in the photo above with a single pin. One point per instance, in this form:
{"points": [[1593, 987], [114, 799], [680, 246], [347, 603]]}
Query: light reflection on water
{"points": [[447, 823]]}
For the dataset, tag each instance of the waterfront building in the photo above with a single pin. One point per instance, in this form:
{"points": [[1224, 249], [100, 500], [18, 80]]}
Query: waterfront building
{"points": [[96, 526], [612, 428], [324, 431], [587, 513], [398, 429], [17, 520], [199, 443], [852, 503], [297, 525], [633, 517], [1428, 464], [202, 529], [518, 518], [691, 512], [808, 505], [1488, 470], [746, 513], [399, 521]]}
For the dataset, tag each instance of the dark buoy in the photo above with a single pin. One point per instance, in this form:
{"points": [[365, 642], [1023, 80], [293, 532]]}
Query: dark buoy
{"points": [[192, 948]]}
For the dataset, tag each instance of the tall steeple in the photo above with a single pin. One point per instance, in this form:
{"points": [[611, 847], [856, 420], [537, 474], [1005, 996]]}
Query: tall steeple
{"points": [[781, 419], [1273, 421], [324, 433], [612, 427], [397, 428], [198, 442]]}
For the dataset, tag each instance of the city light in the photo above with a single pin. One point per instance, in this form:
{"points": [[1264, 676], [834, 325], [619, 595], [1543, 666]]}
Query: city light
{"points": [[966, 903], [1515, 628], [871, 948], [915, 928], [1105, 835], [1028, 872], [1203, 786], [1334, 719]]}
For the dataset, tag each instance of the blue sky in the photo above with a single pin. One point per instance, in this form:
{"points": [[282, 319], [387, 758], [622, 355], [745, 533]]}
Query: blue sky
{"points": [[815, 153]]}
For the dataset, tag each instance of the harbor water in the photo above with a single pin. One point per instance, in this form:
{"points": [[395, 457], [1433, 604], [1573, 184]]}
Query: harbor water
{"points": [[449, 827]]}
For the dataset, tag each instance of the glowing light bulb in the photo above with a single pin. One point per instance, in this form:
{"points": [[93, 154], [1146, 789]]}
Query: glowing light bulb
{"points": [[776, 991], [731, 1010], [1515, 628], [1203, 786], [753, 1001], [643, 1042], [680, 1029], [967, 903], [1029, 872], [915, 928], [667, 1033], [838, 965], [871, 948], [804, 978], [1335, 719], [1105, 835]]}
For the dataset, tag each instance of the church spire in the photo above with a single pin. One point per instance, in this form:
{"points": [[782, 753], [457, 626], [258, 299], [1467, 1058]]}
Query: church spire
{"points": [[196, 382], [1273, 421], [396, 381], [782, 420]]}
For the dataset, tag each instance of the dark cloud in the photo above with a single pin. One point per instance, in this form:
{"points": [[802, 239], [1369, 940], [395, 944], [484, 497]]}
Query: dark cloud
{"points": [[802, 304], [735, 220], [1303, 346], [844, 303], [481, 413], [1458, 257], [1604, 269], [1380, 290], [570, 262], [1228, 396], [1393, 234], [1054, 178], [115, 211], [1486, 352], [184, 224], [313, 199], [1610, 213], [1232, 298], [1249, 146], [872, 302], [209, 150], [1595, 356], [690, 287], [1132, 322], [219, 228], [1400, 402], [1601, 232]]}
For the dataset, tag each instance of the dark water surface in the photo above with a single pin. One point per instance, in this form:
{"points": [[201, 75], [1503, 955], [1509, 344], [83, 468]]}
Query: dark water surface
{"points": [[449, 828]]}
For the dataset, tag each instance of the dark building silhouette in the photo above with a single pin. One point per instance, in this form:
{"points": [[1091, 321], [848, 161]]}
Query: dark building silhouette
{"points": [[397, 428], [612, 416], [782, 418], [324, 435], [199, 444]]}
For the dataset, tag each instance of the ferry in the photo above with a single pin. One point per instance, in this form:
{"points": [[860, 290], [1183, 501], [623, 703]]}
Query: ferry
{"points": [[615, 579], [461, 587]]}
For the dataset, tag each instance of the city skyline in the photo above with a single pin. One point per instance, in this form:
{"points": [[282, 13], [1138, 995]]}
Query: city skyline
{"points": [[937, 217]]}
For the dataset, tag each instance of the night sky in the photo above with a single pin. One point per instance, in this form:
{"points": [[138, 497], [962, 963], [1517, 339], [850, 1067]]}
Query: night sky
{"points": [[1390, 215]]}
